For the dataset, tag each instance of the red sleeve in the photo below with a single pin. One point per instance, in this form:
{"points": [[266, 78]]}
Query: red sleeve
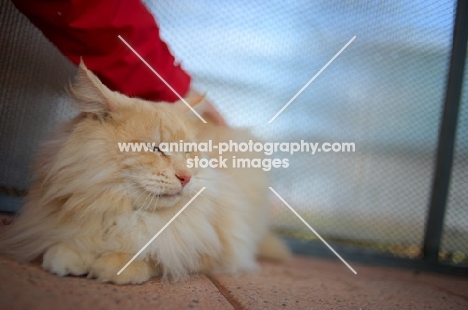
{"points": [[90, 29]]}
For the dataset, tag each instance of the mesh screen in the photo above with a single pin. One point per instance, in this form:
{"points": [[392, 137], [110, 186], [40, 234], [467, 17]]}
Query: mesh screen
{"points": [[455, 234], [33, 77], [384, 93]]}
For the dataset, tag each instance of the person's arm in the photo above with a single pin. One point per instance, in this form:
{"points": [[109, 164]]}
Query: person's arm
{"points": [[90, 29]]}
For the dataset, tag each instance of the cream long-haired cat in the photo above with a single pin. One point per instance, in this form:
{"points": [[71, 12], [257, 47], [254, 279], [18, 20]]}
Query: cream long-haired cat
{"points": [[92, 207]]}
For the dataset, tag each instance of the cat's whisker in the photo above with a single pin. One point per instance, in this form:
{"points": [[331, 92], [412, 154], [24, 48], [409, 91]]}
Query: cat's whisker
{"points": [[138, 207], [137, 198], [125, 189], [153, 207], [149, 204], [157, 200], [143, 191]]}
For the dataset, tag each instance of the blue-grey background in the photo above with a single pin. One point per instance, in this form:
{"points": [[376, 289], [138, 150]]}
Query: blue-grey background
{"points": [[384, 93]]}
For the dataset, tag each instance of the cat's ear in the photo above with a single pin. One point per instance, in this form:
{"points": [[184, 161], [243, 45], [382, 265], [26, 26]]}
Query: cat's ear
{"points": [[195, 101], [89, 94]]}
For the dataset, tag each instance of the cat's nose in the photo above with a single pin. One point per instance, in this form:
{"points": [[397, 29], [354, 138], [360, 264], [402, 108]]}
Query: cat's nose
{"points": [[184, 178]]}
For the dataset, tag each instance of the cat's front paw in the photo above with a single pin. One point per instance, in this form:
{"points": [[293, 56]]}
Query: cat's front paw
{"points": [[105, 269], [63, 259]]}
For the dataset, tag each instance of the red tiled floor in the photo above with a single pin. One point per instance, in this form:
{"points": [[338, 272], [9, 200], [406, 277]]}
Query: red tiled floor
{"points": [[304, 283], [29, 287], [310, 283]]}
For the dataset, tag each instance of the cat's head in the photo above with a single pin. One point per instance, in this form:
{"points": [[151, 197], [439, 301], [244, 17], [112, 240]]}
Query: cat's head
{"points": [[108, 122]]}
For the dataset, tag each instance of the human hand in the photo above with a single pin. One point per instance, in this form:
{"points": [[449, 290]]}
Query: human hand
{"points": [[208, 109]]}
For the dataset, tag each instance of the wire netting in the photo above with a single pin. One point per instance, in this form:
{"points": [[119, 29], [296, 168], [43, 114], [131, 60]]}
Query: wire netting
{"points": [[33, 77], [384, 93]]}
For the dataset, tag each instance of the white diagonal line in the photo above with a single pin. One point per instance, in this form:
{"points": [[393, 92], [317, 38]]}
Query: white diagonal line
{"points": [[161, 230], [313, 230], [159, 76], [311, 80]]}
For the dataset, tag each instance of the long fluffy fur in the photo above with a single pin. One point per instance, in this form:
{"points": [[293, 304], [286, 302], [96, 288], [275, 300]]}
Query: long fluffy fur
{"points": [[92, 206]]}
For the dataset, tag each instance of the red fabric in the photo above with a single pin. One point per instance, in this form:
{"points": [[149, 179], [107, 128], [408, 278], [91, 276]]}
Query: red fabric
{"points": [[90, 29]]}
